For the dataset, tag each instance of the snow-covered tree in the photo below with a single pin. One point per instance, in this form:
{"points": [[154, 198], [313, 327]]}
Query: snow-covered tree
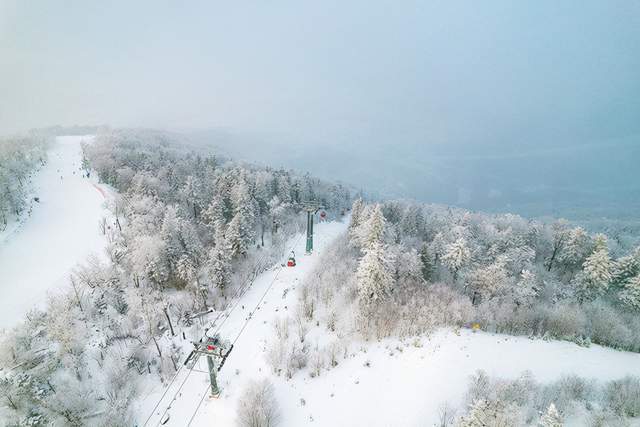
{"points": [[412, 221], [630, 294], [257, 406], [526, 288], [486, 282], [595, 277], [626, 267], [488, 413], [374, 275], [559, 237], [408, 266], [357, 210], [191, 194], [456, 256], [241, 229], [373, 229], [577, 246], [427, 266], [551, 418], [218, 266], [214, 213]]}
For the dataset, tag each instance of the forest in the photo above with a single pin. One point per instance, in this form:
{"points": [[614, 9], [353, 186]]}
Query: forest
{"points": [[408, 268], [187, 230], [19, 158]]}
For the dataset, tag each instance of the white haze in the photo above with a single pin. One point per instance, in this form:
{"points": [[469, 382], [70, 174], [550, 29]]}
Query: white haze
{"points": [[533, 108]]}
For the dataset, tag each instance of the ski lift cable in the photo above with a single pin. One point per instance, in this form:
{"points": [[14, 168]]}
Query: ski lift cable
{"points": [[238, 294], [242, 330], [206, 389]]}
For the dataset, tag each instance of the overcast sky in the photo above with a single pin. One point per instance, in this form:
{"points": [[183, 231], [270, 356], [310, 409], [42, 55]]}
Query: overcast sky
{"points": [[446, 71], [463, 78]]}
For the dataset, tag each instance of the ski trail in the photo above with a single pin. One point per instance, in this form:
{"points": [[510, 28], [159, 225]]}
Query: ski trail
{"points": [[61, 232], [185, 393]]}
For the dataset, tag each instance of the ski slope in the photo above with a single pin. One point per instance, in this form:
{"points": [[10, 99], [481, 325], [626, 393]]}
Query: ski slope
{"points": [[62, 231], [189, 391], [403, 387]]}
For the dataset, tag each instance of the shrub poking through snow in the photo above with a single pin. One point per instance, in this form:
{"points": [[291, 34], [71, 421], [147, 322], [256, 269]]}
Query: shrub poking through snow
{"points": [[257, 406]]}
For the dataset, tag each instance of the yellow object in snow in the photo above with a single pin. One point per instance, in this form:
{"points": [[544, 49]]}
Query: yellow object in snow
{"points": [[475, 327]]}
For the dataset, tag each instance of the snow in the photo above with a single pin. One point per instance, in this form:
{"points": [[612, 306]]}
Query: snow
{"points": [[248, 353], [62, 231], [402, 387], [408, 387]]}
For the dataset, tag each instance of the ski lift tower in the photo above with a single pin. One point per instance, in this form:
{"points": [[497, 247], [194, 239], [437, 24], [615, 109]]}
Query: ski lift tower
{"points": [[214, 347], [311, 208]]}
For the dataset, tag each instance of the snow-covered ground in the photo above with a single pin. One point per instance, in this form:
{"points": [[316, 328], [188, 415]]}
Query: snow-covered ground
{"points": [[403, 387], [408, 387], [62, 231], [248, 353]]}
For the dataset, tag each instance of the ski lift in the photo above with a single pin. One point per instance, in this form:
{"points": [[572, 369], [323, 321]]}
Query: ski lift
{"points": [[291, 262], [323, 216]]}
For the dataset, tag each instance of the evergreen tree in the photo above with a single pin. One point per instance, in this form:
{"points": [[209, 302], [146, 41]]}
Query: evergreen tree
{"points": [[576, 248], [190, 193], [596, 276], [625, 268], [630, 294], [373, 275], [241, 229], [236, 243], [214, 214], [373, 230], [427, 263], [356, 214]]}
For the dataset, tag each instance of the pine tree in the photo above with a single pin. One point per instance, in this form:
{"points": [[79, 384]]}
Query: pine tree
{"points": [[284, 187], [373, 230], [551, 418], [214, 214], [596, 276], [630, 294], [241, 229], [190, 194], [236, 244], [625, 268], [576, 248], [456, 256], [373, 275], [356, 214], [427, 263]]}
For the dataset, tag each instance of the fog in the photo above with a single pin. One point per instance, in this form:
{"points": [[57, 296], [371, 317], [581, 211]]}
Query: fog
{"points": [[503, 106]]}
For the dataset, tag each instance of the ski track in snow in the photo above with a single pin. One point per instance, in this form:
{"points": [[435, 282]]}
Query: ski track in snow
{"points": [[62, 231]]}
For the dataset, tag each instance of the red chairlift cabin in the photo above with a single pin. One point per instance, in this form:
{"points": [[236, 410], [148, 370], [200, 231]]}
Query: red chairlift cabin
{"points": [[291, 262], [323, 215]]}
